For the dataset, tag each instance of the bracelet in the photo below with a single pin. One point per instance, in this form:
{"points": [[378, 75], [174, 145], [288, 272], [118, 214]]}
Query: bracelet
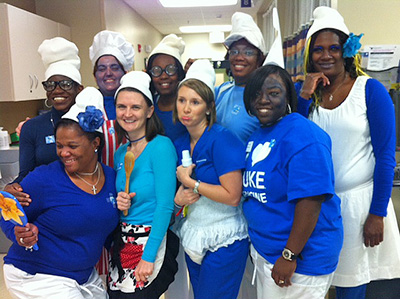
{"points": [[196, 187], [177, 206]]}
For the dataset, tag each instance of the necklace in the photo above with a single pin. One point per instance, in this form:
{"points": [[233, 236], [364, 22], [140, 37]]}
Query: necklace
{"points": [[90, 173], [331, 94], [136, 140], [94, 189]]}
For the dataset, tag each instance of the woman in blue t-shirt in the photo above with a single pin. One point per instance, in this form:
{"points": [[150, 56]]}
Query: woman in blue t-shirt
{"points": [[292, 211], [214, 231]]}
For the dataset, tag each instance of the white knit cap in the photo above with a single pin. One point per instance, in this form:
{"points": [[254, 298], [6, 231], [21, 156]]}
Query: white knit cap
{"points": [[203, 71], [60, 57], [138, 80], [326, 17], [170, 45], [275, 54], [112, 43], [89, 96], [243, 26]]}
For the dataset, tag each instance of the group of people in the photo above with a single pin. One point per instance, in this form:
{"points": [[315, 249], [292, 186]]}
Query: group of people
{"points": [[307, 197]]}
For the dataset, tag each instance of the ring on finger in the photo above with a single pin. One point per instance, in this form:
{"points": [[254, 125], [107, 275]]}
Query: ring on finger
{"points": [[281, 281], [21, 240]]}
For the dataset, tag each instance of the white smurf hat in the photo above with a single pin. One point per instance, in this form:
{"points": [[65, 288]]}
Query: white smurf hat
{"points": [[171, 45], [275, 54], [60, 57], [243, 26], [326, 17], [88, 110], [203, 71], [112, 43], [138, 80]]}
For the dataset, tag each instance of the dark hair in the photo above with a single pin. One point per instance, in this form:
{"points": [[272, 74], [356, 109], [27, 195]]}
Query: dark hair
{"points": [[154, 125], [119, 63], [349, 65], [260, 54], [91, 136], [181, 72], [253, 87], [205, 93]]}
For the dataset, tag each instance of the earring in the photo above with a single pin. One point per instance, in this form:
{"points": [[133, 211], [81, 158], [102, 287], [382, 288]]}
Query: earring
{"points": [[288, 109], [47, 104], [208, 113], [96, 150]]}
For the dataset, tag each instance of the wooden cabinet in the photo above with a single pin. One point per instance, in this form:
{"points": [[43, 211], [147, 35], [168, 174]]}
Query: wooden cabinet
{"points": [[21, 68]]}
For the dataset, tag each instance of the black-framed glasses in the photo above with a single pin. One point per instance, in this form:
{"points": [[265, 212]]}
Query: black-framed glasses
{"points": [[64, 85], [170, 70], [247, 52]]}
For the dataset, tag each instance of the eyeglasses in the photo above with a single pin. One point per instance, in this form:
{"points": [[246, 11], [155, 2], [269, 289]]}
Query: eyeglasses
{"points": [[64, 85], [170, 70], [247, 53]]}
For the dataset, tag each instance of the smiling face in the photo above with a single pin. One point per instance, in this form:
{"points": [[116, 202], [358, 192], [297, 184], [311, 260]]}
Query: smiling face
{"points": [[271, 103], [62, 99], [164, 84], [108, 74], [132, 112], [326, 54], [243, 65], [75, 150], [191, 108]]}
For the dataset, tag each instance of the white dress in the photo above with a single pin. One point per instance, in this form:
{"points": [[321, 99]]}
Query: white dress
{"points": [[354, 163]]}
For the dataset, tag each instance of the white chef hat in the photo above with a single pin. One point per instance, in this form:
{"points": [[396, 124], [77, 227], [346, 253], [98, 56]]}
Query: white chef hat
{"points": [[326, 17], [88, 110], [275, 54], [171, 45], [60, 57], [203, 71], [243, 26], [138, 80], [112, 43]]}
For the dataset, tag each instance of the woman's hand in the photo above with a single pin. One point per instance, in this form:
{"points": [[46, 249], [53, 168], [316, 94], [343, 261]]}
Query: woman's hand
{"points": [[16, 190], [143, 270], [185, 197], [311, 82], [124, 200], [183, 174], [283, 271], [26, 236], [373, 230]]}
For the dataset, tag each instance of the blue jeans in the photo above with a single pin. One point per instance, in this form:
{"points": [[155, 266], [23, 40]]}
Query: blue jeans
{"points": [[220, 273], [352, 292]]}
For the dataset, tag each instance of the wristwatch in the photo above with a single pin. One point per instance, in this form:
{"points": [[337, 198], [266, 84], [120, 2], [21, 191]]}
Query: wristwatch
{"points": [[288, 255], [196, 187]]}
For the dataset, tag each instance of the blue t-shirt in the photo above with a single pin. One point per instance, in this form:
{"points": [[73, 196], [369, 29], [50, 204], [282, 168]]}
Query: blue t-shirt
{"points": [[287, 162], [73, 225], [154, 180], [109, 107], [231, 112], [216, 153], [172, 130]]}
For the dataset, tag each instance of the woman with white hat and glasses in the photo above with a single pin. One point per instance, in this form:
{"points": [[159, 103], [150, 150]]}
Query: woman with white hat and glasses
{"points": [[142, 265], [358, 114], [71, 216], [165, 69], [62, 83], [214, 231], [246, 52]]}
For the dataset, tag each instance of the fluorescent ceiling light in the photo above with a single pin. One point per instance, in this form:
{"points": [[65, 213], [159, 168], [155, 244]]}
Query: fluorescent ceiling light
{"points": [[196, 3], [205, 28]]}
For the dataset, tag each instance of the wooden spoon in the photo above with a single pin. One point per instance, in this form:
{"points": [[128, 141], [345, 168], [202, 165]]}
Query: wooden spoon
{"points": [[129, 163]]}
